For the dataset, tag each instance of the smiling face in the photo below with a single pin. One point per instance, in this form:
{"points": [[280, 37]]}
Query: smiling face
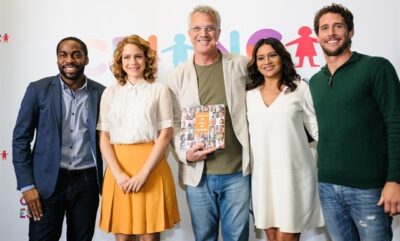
{"points": [[71, 61], [268, 61], [133, 62], [333, 34], [204, 33]]}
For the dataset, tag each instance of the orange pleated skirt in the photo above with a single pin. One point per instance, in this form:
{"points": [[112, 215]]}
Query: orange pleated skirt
{"points": [[153, 209]]}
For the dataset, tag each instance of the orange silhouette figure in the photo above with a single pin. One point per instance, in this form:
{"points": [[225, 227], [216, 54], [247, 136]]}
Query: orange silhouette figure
{"points": [[305, 46]]}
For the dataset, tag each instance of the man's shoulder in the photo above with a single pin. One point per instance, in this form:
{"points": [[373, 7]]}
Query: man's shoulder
{"points": [[45, 81], [43, 84], [321, 73], [181, 70], [180, 67], [370, 64], [235, 58], [95, 84], [377, 60], [364, 58]]}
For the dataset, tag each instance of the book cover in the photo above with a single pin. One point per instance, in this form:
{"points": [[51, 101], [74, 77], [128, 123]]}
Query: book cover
{"points": [[203, 124]]}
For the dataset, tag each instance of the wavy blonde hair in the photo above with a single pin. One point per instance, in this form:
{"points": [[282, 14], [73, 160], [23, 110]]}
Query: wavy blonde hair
{"points": [[150, 70]]}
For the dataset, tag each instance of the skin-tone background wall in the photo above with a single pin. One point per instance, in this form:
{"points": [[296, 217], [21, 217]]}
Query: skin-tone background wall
{"points": [[30, 31]]}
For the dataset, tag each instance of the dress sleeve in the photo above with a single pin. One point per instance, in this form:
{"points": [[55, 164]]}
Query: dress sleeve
{"points": [[102, 124], [164, 108], [309, 118]]}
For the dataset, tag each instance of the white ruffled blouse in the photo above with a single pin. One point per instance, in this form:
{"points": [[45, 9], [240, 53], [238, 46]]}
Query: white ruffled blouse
{"points": [[134, 113]]}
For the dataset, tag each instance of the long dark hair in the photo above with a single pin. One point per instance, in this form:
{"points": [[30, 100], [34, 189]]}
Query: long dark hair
{"points": [[288, 75]]}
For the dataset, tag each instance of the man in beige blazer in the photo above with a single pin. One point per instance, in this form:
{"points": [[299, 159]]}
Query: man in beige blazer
{"points": [[217, 181]]}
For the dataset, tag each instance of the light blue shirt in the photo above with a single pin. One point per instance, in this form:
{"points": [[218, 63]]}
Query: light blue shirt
{"points": [[76, 153]]}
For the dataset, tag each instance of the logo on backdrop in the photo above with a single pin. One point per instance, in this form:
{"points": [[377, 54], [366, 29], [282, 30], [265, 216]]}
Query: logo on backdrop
{"points": [[24, 212], [180, 47], [4, 38], [305, 45]]}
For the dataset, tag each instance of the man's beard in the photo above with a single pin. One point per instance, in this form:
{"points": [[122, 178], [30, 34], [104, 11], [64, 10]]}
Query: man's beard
{"points": [[339, 50], [74, 76]]}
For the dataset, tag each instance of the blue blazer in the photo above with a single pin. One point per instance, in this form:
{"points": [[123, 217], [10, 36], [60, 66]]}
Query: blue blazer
{"points": [[40, 116]]}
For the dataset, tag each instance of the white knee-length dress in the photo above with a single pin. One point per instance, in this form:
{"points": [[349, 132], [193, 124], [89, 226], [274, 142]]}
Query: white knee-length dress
{"points": [[284, 176]]}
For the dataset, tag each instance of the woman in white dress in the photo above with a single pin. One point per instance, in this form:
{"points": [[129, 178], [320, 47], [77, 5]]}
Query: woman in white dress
{"points": [[284, 178]]}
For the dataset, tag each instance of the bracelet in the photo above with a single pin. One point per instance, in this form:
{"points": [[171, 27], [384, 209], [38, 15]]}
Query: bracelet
{"points": [[116, 176]]}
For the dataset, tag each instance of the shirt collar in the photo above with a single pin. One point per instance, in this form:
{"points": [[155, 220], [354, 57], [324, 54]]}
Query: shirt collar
{"points": [[353, 58], [141, 84], [65, 87]]}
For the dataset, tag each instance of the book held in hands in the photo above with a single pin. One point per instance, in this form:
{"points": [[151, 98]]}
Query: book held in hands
{"points": [[203, 124]]}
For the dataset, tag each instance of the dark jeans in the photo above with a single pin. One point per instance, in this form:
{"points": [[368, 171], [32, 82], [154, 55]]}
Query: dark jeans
{"points": [[77, 196]]}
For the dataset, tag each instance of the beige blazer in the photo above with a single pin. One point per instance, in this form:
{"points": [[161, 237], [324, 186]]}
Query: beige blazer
{"points": [[182, 82]]}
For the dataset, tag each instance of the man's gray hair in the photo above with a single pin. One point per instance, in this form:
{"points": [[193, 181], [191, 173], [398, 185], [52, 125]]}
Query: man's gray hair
{"points": [[206, 10]]}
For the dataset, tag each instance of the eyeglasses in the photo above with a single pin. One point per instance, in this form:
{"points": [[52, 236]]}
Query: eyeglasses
{"points": [[207, 29]]}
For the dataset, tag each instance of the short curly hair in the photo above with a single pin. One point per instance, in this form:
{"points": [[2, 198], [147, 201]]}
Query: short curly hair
{"points": [[334, 8], [80, 42], [150, 69]]}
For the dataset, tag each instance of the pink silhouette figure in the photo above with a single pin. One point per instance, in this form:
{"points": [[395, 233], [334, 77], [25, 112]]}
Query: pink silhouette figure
{"points": [[4, 155], [305, 46], [5, 38]]}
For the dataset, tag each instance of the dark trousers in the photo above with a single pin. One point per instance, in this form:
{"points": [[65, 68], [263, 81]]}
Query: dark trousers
{"points": [[76, 196]]}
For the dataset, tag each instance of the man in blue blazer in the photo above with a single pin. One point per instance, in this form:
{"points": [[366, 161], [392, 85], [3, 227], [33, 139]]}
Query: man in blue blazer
{"points": [[62, 173]]}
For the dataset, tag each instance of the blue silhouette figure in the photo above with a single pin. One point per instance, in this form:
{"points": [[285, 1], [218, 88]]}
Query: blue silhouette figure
{"points": [[179, 50]]}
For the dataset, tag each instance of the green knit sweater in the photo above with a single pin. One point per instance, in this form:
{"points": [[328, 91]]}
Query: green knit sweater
{"points": [[358, 113]]}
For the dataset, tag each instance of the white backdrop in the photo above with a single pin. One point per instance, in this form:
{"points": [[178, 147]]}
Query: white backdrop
{"points": [[33, 28]]}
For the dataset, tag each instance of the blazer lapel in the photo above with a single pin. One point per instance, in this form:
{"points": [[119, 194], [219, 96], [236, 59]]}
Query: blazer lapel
{"points": [[193, 84], [92, 109], [227, 69], [56, 100]]}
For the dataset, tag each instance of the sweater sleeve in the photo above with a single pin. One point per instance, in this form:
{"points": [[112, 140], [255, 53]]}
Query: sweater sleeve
{"points": [[386, 90]]}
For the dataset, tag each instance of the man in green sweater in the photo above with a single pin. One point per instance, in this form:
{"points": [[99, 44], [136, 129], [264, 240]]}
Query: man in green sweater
{"points": [[357, 102]]}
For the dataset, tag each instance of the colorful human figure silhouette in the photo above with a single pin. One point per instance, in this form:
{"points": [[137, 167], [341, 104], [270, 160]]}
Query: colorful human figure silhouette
{"points": [[305, 47], [4, 155], [179, 50], [5, 38]]}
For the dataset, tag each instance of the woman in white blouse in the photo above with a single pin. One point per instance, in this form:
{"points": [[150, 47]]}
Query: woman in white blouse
{"points": [[135, 125], [284, 178]]}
